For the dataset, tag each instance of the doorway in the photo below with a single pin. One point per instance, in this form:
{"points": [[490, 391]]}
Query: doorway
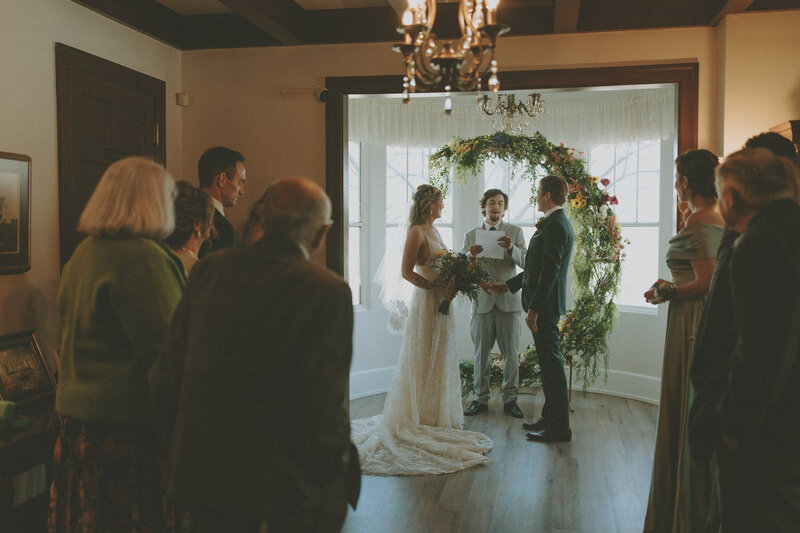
{"points": [[105, 112]]}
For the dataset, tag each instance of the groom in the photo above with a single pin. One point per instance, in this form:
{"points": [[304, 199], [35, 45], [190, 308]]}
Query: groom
{"points": [[496, 317], [544, 296]]}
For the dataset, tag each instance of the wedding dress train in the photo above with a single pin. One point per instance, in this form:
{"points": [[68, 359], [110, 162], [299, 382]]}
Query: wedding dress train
{"points": [[419, 430]]}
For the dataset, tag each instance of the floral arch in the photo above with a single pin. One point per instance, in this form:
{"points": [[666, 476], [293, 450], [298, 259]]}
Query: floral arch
{"points": [[597, 259]]}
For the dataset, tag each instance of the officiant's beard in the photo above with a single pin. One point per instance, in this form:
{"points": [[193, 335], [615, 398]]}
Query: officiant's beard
{"points": [[494, 218]]}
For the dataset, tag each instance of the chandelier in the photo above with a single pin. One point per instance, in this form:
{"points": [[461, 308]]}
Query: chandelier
{"points": [[511, 115], [434, 64]]}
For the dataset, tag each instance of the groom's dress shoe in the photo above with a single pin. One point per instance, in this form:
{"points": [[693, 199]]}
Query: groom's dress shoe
{"points": [[539, 425], [475, 408], [551, 435], [513, 409]]}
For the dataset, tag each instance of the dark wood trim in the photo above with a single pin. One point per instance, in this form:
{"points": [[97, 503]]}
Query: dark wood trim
{"points": [[67, 59], [685, 75], [283, 20], [225, 30]]}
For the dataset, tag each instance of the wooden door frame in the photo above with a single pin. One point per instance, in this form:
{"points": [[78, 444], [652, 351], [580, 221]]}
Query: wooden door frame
{"points": [[685, 75], [67, 59]]}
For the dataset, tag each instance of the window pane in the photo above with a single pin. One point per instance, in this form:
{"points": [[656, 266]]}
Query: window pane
{"points": [[354, 263], [494, 174], [640, 267], [354, 182], [649, 177], [625, 182], [398, 192], [520, 209], [601, 161], [446, 233], [395, 242]]}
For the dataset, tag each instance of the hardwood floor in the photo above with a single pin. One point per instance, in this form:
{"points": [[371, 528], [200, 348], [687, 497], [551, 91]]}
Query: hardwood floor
{"points": [[599, 482]]}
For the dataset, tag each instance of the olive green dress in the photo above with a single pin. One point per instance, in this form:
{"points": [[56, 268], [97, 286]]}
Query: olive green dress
{"points": [[694, 242]]}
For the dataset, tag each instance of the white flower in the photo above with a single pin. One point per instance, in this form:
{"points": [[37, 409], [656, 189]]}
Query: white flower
{"points": [[604, 212]]}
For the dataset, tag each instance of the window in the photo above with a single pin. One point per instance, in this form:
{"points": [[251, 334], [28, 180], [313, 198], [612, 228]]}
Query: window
{"points": [[635, 174], [407, 169]]}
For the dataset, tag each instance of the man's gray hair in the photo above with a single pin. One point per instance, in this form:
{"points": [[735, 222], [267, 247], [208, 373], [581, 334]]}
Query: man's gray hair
{"points": [[296, 207], [763, 176]]}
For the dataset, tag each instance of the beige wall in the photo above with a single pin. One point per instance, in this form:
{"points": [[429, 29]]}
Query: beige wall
{"points": [[761, 85], [29, 30], [236, 98]]}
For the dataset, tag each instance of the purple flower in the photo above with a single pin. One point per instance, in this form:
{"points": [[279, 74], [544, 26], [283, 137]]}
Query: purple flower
{"points": [[500, 139]]}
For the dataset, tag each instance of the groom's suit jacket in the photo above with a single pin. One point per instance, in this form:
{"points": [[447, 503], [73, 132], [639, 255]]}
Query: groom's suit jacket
{"points": [[544, 279], [250, 390], [500, 269]]}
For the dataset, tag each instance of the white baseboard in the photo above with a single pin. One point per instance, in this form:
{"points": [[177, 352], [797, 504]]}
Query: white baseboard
{"points": [[369, 382], [620, 383], [626, 385]]}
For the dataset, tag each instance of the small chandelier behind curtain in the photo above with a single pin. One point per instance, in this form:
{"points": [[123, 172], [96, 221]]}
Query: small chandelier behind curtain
{"points": [[449, 65], [510, 114]]}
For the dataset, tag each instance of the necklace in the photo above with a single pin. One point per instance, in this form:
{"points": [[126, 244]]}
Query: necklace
{"points": [[185, 249]]}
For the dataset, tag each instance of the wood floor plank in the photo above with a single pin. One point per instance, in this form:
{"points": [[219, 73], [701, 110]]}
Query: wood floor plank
{"points": [[598, 482]]}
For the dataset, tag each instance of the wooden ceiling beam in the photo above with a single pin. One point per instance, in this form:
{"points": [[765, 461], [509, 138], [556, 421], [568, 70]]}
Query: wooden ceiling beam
{"points": [[566, 16], [731, 6], [284, 20]]}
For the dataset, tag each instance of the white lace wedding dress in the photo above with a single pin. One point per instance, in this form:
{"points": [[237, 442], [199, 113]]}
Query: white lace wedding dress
{"points": [[419, 430]]}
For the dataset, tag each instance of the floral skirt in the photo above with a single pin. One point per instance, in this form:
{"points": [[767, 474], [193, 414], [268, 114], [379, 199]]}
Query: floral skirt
{"points": [[106, 477]]}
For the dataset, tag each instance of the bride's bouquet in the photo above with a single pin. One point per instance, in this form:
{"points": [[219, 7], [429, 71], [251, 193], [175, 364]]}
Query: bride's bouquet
{"points": [[458, 271]]}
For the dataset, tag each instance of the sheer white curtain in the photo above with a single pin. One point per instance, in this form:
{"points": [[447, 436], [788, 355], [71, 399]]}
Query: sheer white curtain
{"points": [[581, 119]]}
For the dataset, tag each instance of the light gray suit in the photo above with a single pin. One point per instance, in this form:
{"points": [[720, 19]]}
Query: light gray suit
{"points": [[496, 317]]}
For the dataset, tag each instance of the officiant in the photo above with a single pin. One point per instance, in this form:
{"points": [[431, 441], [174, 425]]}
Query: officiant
{"points": [[495, 317]]}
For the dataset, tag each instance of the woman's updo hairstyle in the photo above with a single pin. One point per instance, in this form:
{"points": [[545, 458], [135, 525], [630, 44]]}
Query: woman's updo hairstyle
{"points": [[421, 201], [698, 166]]}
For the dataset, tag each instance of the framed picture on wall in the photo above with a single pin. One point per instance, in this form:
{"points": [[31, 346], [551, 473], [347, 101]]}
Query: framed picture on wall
{"points": [[25, 373], [15, 209]]}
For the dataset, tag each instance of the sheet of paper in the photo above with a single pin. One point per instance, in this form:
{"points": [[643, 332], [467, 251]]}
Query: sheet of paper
{"points": [[488, 239]]}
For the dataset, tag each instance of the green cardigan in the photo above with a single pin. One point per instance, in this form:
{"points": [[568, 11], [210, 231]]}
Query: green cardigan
{"points": [[115, 300]]}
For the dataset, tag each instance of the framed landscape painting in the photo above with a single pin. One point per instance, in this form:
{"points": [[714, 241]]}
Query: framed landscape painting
{"points": [[25, 373], [15, 207]]}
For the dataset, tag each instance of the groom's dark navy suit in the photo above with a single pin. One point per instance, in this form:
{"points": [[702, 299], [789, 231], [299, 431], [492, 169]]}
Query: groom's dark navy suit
{"points": [[544, 290]]}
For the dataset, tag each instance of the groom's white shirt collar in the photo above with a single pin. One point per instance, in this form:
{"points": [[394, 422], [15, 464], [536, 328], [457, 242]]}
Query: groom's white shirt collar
{"points": [[553, 210], [486, 225], [218, 206]]}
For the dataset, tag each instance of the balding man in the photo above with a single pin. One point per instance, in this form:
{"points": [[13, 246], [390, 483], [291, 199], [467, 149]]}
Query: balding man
{"points": [[758, 427], [251, 385]]}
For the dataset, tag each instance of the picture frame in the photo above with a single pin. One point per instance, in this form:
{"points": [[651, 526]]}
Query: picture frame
{"points": [[15, 209], [25, 373]]}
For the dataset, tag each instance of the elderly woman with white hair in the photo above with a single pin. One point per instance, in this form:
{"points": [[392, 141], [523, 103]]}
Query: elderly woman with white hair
{"points": [[117, 295]]}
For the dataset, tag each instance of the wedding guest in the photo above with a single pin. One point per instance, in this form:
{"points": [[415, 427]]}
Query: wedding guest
{"points": [[759, 415], [252, 382], [496, 317], [252, 228], [116, 297], [221, 174], [775, 143], [194, 222], [714, 345], [691, 260], [544, 299]]}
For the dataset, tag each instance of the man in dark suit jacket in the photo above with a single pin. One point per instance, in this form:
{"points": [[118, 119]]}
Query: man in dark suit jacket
{"points": [[759, 415], [251, 387], [544, 298], [221, 174]]}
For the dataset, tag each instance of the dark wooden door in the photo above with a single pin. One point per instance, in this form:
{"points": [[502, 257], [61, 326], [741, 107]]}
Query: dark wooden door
{"points": [[105, 112]]}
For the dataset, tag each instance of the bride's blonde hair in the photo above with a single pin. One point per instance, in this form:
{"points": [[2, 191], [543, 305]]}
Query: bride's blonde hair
{"points": [[421, 202]]}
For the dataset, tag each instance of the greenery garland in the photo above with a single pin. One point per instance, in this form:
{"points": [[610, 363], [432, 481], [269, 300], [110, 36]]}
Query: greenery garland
{"points": [[597, 261]]}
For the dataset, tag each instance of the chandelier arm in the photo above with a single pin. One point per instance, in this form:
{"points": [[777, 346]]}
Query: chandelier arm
{"points": [[425, 73]]}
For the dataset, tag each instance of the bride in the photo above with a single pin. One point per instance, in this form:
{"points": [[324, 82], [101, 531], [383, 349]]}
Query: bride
{"points": [[419, 431]]}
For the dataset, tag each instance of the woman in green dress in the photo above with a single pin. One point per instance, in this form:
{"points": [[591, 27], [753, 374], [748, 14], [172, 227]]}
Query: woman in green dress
{"points": [[691, 259]]}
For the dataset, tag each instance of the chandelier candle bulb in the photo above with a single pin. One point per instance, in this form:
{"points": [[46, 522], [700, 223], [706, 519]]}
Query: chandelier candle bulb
{"points": [[460, 64]]}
